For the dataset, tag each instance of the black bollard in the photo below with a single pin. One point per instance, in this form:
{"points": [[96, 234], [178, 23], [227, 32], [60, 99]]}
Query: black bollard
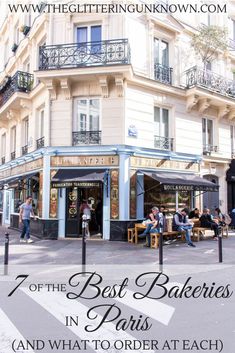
{"points": [[84, 226], [161, 249], [6, 255], [220, 248]]}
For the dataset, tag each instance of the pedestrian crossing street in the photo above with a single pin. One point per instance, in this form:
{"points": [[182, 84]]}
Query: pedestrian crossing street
{"points": [[52, 308]]}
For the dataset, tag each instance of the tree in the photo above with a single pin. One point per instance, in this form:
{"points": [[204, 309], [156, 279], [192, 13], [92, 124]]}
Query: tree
{"points": [[208, 41]]}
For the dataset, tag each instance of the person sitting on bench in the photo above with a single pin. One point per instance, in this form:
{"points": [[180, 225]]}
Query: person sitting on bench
{"points": [[181, 223], [155, 226], [207, 222]]}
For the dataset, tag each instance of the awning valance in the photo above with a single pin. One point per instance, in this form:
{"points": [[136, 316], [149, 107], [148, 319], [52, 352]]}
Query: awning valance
{"points": [[77, 178], [181, 181]]}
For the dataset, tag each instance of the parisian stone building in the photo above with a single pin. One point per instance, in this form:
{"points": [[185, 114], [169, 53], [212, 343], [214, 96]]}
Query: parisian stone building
{"points": [[115, 109]]}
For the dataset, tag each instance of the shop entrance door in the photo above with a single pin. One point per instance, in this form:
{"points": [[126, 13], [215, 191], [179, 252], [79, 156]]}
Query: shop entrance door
{"points": [[211, 199], [72, 224], [74, 197]]}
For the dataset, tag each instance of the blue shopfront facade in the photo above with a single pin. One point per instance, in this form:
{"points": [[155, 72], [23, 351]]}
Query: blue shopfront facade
{"points": [[127, 181]]}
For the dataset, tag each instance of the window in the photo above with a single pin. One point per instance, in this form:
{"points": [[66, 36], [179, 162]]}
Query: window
{"points": [[161, 122], [232, 28], [208, 66], [41, 123], [207, 133], [89, 34], [25, 131], [161, 129], [87, 112], [161, 52], [3, 145], [28, 18], [27, 66], [6, 52], [232, 134], [16, 34], [13, 139]]}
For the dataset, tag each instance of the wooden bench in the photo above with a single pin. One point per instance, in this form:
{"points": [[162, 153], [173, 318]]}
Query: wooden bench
{"points": [[131, 236], [224, 231], [197, 232], [154, 237]]}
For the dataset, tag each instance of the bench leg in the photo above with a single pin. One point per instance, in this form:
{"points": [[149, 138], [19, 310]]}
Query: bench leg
{"points": [[196, 235], [154, 241], [135, 236]]}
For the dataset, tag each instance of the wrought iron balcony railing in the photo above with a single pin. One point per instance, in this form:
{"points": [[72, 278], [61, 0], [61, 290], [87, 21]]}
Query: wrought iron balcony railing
{"points": [[208, 149], [163, 73], [24, 150], [86, 138], [3, 160], [20, 82], [209, 80], [13, 155], [106, 52], [163, 143], [40, 142]]}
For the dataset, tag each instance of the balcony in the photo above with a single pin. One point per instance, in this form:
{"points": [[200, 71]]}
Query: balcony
{"points": [[20, 82], [3, 160], [197, 77], [163, 143], [24, 150], [86, 138], [163, 73], [106, 52], [208, 149], [13, 155], [40, 142]]}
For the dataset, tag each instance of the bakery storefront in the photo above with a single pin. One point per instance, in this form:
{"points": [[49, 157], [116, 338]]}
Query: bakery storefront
{"points": [[122, 185], [78, 178], [16, 183], [172, 183], [58, 185], [79, 184]]}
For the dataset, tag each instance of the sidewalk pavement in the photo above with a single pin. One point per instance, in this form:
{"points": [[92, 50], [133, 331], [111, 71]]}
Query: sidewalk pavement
{"points": [[69, 251]]}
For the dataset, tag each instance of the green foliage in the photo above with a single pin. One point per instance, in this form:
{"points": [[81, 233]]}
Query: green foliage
{"points": [[208, 41]]}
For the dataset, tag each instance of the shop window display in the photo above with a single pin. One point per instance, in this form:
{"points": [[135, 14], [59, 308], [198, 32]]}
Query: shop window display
{"points": [[155, 196], [24, 188], [1, 200]]}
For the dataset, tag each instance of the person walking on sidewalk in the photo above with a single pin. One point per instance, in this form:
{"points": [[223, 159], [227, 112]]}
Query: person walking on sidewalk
{"points": [[26, 209]]}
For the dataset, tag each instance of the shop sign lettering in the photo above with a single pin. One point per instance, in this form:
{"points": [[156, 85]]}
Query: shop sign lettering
{"points": [[139, 162], [72, 184], [167, 187], [84, 161], [24, 168]]}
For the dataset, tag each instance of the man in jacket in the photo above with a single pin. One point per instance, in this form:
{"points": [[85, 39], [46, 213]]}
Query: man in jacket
{"points": [[181, 223], [207, 222]]}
